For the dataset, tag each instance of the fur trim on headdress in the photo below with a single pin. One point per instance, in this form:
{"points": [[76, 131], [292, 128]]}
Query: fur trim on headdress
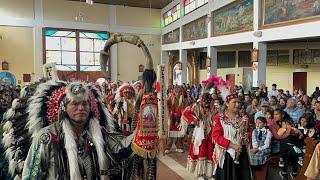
{"points": [[77, 91], [95, 131], [72, 150]]}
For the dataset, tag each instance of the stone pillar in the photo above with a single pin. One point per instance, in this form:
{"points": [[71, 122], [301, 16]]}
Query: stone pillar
{"points": [[259, 67], [165, 61], [184, 61], [38, 35], [213, 55], [113, 63]]}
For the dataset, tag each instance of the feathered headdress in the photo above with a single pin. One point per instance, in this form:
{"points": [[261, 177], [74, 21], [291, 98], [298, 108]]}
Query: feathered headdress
{"points": [[221, 85]]}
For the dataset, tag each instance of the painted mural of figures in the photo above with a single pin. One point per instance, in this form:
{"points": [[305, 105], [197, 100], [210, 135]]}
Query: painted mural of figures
{"points": [[124, 108]]}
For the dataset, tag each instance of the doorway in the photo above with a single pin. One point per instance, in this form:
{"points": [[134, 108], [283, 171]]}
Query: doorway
{"points": [[300, 81]]}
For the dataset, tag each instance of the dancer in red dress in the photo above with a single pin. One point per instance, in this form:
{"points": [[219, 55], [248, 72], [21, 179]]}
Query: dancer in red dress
{"points": [[176, 104], [232, 146], [201, 146]]}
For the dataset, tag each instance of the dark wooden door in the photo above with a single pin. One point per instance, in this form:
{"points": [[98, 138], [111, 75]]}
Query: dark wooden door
{"points": [[232, 79], [300, 81]]}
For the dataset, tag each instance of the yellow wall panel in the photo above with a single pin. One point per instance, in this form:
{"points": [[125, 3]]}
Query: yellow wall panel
{"points": [[63, 10], [16, 47], [17, 9], [130, 57], [138, 17]]}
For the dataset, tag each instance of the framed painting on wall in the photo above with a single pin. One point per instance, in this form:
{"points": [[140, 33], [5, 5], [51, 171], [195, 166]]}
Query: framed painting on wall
{"points": [[171, 37], [196, 29], [281, 13], [233, 18]]}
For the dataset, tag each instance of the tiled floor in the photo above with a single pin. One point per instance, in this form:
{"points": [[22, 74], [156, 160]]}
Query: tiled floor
{"points": [[173, 165], [165, 173]]}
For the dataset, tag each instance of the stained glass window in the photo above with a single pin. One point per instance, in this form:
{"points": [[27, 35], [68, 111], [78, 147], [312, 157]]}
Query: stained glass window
{"points": [[90, 46], [61, 48], [171, 15], [65, 46], [191, 5]]}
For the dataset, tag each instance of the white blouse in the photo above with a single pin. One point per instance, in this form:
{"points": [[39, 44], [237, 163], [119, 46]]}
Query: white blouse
{"points": [[266, 142]]}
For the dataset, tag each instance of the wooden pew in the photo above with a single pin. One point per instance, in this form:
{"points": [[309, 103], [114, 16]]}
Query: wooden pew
{"points": [[261, 174], [310, 146]]}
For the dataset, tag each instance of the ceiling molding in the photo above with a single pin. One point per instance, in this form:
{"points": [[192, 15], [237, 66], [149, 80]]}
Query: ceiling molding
{"points": [[155, 4]]}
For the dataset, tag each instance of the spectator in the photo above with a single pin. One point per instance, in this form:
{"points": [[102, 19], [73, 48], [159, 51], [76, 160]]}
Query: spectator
{"points": [[301, 104], [316, 115], [269, 114], [264, 107], [316, 93], [288, 150], [283, 103], [273, 103], [261, 139], [294, 112], [253, 108], [273, 92], [247, 100]]}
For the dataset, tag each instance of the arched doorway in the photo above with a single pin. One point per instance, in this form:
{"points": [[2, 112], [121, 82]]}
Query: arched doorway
{"points": [[177, 74], [174, 68]]}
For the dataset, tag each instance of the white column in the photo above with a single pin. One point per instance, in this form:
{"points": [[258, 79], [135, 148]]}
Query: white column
{"points": [[165, 61], [38, 47], [183, 60], [213, 55], [114, 48], [209, 18], [256, 15], [259, 68]]}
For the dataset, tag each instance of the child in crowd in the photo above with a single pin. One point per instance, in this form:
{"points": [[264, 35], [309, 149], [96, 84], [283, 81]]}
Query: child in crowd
{"points": [[269, 114], [307, 128], [288, 150], [261, 138]]}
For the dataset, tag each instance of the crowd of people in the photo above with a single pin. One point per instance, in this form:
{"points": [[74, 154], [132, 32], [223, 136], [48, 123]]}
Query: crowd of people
{"points": [[277, 123], [232, 134]]}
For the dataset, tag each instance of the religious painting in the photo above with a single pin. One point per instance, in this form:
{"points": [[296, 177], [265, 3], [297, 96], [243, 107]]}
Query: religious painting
{"points": [[171, 37], [177, 74], [149, 116], [277, 13], [7, 78], [247, 79], [195, 30], [233, 18]]}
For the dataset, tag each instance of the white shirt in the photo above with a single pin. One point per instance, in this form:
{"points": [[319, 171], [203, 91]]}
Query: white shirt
{"points": [[273, 93], [266, 142]]}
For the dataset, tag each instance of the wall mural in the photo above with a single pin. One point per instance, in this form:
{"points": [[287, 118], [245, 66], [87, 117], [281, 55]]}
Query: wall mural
{"points": [[233, 18], [195, 30], [279, 12], [171, 37]]}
